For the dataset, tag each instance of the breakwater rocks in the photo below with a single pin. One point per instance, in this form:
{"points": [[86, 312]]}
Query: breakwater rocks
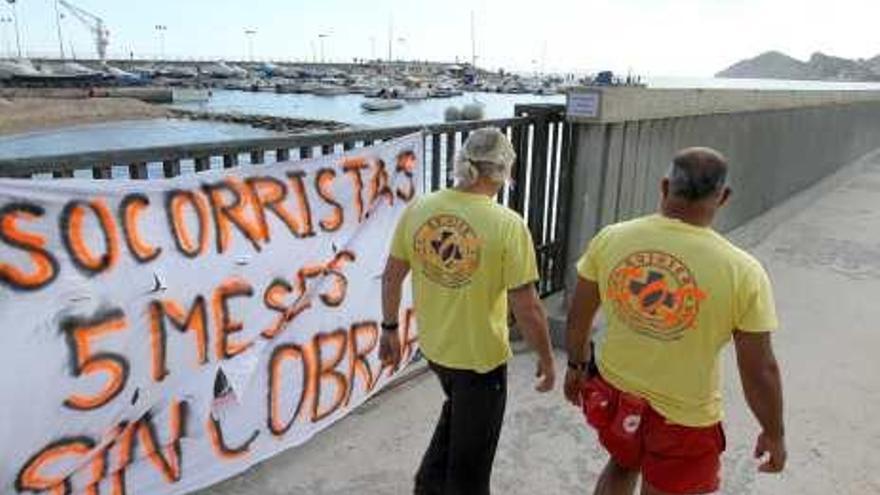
{"points": [[272, 123]]}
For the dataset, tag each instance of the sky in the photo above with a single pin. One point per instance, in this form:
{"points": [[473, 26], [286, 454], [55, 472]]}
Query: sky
{"points": [[654, 37]]}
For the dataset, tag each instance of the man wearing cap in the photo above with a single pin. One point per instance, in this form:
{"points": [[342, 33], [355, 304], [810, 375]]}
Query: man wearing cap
{"points": [[674, 293], [468, 256]]}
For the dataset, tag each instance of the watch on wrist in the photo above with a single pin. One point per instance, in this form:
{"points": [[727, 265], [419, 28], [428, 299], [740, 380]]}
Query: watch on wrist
{"points": [[390, 327], [577, 366]]}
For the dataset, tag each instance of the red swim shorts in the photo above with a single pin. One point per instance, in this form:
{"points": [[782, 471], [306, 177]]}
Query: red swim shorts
{"points": [[671, 458]]}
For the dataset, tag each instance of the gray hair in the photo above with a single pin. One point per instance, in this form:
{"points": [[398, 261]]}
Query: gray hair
{"points": [[697, 173], [486, 153]]}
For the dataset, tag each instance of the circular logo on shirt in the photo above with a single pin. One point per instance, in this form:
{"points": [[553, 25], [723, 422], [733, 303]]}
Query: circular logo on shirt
{"points": [[449, 250], [655, 294]]}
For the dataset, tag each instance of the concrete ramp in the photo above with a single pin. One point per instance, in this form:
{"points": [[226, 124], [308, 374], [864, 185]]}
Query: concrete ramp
{"points": [[822, 249]]}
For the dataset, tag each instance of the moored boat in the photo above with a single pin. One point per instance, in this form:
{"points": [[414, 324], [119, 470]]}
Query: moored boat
{"points": [[20, 67], [328, 90], [382, 105], [415, 94], [445, 92]]}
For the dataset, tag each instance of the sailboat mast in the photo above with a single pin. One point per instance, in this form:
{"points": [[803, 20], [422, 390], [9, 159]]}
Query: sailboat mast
{"points": [[390, 37], [17, 31], [58, 23], [473, 43]]}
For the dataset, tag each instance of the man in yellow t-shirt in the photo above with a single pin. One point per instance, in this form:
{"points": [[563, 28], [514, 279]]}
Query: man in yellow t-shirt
{"points": [[468, 255], [674, 293]]}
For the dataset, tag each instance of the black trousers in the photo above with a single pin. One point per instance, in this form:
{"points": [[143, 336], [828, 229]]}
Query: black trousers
{"points": [[462, 450]]}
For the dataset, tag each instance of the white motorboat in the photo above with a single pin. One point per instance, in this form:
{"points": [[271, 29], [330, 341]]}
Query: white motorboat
{"points": [[17, 68], [444, 91], [415, 94], [361, 88], [221, 70], [64, 74], [117, 72], [297, 87], [177, 72], [238, 70], [270, 70], [373, 92], [71, 69], [382, 105], [329, 90], [147, 71], [121, 76]]}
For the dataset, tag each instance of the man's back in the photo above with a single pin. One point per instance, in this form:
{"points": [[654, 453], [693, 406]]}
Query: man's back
{"points": [[466, 252], [673, 293]]}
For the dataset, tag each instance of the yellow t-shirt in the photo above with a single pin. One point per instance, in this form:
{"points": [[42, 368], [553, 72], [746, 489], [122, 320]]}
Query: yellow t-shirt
{"points": [[466, 251], [673, 294]]}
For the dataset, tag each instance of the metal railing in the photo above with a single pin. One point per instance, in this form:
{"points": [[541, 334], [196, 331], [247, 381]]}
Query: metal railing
{"points": [[540, 189]]}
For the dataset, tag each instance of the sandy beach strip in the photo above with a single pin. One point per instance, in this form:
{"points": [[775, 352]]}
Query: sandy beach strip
{"points": [[29, 114]]}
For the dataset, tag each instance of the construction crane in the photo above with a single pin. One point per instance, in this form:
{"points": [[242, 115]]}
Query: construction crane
{"points": [[95, 24]]}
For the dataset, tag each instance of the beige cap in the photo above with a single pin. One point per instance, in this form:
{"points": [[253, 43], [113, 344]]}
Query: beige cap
{"points": [[488, 145]]}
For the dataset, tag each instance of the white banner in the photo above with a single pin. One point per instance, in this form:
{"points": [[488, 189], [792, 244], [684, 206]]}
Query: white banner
{"points": [[162, 335]]}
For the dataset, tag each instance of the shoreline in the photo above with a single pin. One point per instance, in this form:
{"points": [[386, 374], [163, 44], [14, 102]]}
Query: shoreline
{"points": [[22, 115]]}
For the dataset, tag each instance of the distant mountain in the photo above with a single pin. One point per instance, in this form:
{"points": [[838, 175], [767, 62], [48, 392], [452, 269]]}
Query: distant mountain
{"points": [[770, 65], [776, 65], [836, 68], [873, 64]]}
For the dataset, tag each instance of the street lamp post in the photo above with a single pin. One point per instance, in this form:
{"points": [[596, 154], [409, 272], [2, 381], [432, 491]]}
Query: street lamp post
{"points": [[401, 53], [161, 29], [321, 37], [250, 36]]}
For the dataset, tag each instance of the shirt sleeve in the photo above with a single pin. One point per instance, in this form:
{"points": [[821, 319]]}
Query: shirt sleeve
{"points": [[401, 243], [588, 265], [757, 308], [520, 265]]}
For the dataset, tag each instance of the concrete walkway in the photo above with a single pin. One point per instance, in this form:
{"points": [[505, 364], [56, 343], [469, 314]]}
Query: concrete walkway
{"points": [[823, 253]]}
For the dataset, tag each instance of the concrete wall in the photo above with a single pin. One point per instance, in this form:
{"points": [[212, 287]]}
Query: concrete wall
{"points": [[623, 104], [773, 154]]}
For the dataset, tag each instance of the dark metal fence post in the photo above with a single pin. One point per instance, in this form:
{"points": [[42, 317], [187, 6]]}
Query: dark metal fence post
{"points": [[202, 163], [435, 162], [519, 138], [171, 168], [102, 172], [230, 160], [137, 170], [564, 203], [450, 159]]}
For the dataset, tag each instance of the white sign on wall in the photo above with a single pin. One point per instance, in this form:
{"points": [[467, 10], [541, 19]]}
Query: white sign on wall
{"points": [[159, 336], [583, 104]]}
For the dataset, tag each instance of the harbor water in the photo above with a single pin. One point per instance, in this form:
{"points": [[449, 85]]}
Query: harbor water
{"points": [[123, 136], [347, 108], [343, 108]]}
